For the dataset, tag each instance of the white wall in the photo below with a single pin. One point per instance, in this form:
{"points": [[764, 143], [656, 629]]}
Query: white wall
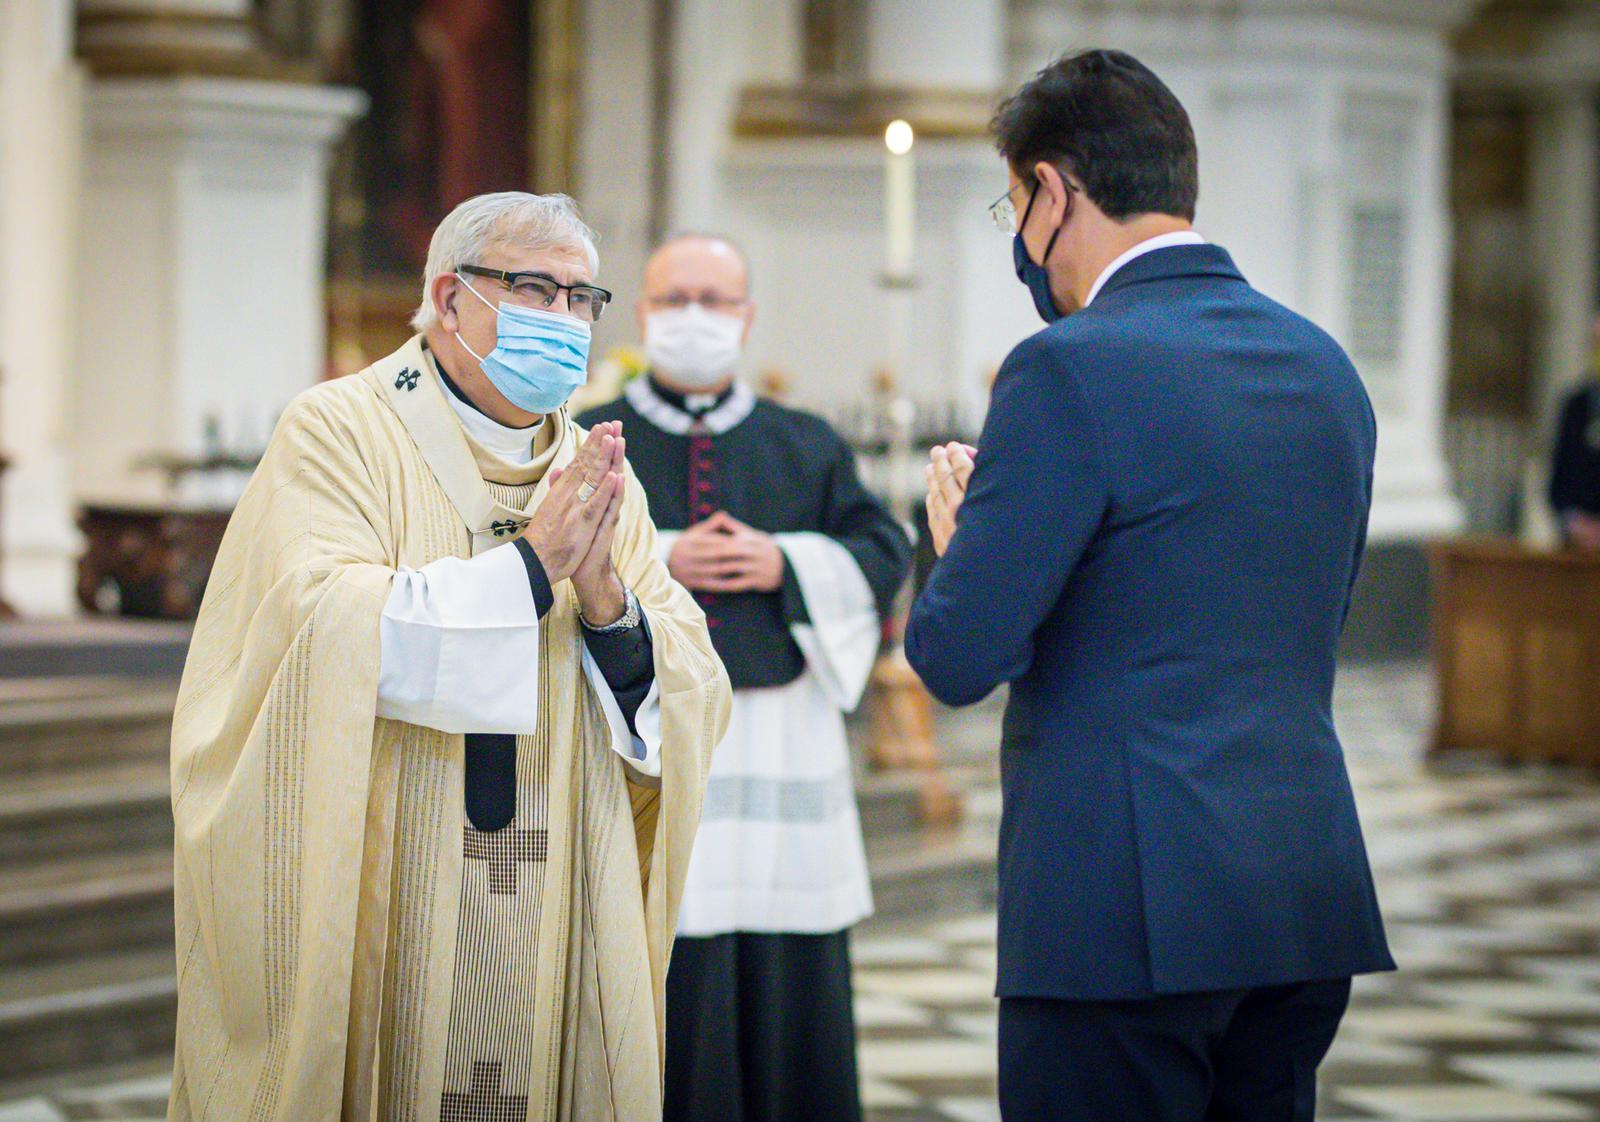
{"points": [[616, 115]]}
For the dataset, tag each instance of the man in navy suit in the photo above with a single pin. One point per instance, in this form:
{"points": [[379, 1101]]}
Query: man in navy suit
{"points": [[1154, 544]]}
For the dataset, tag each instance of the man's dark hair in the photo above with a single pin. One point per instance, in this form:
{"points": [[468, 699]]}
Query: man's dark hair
{"points": [[1106, 119]]}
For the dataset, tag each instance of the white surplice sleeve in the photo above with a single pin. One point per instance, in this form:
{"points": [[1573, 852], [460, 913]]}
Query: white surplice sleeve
{"points": [[459, 646], [840, 643]]}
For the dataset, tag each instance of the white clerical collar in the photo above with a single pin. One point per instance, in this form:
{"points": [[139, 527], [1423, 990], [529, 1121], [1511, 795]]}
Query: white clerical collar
{"points": [[1160, 241], [515, 446], [669, 418]]}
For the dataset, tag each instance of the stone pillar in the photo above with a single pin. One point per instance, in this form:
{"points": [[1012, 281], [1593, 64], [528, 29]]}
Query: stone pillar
{"points": [[776, 41], [617, 110], [1564, 198], [207, 198], [167, 35], [40, 293], [1553, 70]]}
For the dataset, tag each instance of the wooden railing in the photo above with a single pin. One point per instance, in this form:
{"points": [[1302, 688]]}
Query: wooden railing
{"points": [[1517, 646]]}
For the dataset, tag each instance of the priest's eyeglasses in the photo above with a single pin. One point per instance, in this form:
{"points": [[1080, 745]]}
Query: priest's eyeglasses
{"points": [[539, 290]]}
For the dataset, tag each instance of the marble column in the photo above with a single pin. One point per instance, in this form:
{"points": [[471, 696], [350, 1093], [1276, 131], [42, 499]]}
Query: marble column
{"points": [[1564, 199], [1554, 74], [40, 292], [208, 197], [617, 163], [171, 27], [965, 282]]}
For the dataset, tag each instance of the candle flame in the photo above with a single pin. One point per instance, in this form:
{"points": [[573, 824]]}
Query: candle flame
{"points": [[898, 137]]}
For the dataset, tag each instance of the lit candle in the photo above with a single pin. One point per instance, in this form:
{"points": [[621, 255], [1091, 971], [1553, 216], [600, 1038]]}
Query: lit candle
{"points": [[899, 199]]}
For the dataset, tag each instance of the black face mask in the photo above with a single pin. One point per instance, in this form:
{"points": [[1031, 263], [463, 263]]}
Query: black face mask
{"points": [[1030, 274]]}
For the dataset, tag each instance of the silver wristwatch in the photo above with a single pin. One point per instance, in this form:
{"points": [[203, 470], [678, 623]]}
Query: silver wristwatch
{"points": [[631, 615]]}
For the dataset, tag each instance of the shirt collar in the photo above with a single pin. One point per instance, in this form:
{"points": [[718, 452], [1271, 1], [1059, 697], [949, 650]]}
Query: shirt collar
{"points": [[513, 445], [1160, 241]]}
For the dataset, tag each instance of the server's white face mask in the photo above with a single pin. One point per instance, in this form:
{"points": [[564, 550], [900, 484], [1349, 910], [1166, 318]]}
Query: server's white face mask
{"points": [[691, 346]]}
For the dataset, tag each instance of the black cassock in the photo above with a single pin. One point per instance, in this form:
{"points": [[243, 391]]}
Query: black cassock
{"points": [[773, 468], [1575, 473], [759, 1022]]}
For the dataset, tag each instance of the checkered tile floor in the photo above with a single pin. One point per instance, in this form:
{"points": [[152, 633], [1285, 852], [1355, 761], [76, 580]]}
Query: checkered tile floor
{"points": [[1490, 880], [1489, 877]]}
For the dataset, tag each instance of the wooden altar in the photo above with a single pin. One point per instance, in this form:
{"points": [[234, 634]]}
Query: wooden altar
{"points": [[150, 562], [1517, 647]]}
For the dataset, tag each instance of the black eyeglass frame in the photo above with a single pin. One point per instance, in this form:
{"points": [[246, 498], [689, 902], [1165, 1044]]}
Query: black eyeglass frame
{"points": [[601, 296], [1012, 224]]}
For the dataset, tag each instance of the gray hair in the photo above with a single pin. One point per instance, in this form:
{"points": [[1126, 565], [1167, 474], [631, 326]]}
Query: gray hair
{"points": [[513, 218]]}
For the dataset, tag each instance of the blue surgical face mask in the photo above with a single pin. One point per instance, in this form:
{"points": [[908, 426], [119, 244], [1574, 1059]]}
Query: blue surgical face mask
{"points": [[539, 358], [1035, 276]]}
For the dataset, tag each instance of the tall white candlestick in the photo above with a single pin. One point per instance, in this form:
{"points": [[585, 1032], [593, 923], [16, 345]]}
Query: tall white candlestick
{"points": [[899, 200]]}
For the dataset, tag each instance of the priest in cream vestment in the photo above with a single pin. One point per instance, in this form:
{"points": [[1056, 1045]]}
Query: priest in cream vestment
{"points": [[441, 742]]}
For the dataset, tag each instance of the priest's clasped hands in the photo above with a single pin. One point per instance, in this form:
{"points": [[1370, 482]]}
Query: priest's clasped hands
{"points": [[572, 529], [948, 471], [722, 554]]}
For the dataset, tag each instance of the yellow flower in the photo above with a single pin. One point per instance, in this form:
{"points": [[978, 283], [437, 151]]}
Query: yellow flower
{"points": [[630, 363]]}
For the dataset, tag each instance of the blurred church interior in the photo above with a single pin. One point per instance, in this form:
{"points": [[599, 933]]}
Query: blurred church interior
{"points": [[208, 205]]}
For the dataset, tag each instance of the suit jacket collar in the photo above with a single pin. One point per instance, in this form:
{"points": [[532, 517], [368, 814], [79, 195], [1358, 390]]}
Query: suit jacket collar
{"points": [[1166, 264]]}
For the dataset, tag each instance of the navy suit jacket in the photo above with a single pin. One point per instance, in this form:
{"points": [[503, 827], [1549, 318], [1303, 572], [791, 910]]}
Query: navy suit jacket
{"points": [[1156, 550]]}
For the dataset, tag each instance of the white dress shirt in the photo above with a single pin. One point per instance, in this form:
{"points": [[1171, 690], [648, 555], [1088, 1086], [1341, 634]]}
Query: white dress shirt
{"points": [[515, 446], [1149, 245]]}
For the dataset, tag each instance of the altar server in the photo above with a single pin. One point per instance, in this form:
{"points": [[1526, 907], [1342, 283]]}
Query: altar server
{"points": [[764, 520]]}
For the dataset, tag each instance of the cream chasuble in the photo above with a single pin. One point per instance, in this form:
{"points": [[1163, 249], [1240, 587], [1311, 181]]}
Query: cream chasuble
{"points": [[348, 945]]}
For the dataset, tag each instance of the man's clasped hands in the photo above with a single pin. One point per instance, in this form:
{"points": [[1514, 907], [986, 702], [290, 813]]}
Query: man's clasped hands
{"points": [[573, 528]]}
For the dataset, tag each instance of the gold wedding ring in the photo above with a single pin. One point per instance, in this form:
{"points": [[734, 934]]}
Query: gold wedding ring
{"points": [[586, 491]]}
